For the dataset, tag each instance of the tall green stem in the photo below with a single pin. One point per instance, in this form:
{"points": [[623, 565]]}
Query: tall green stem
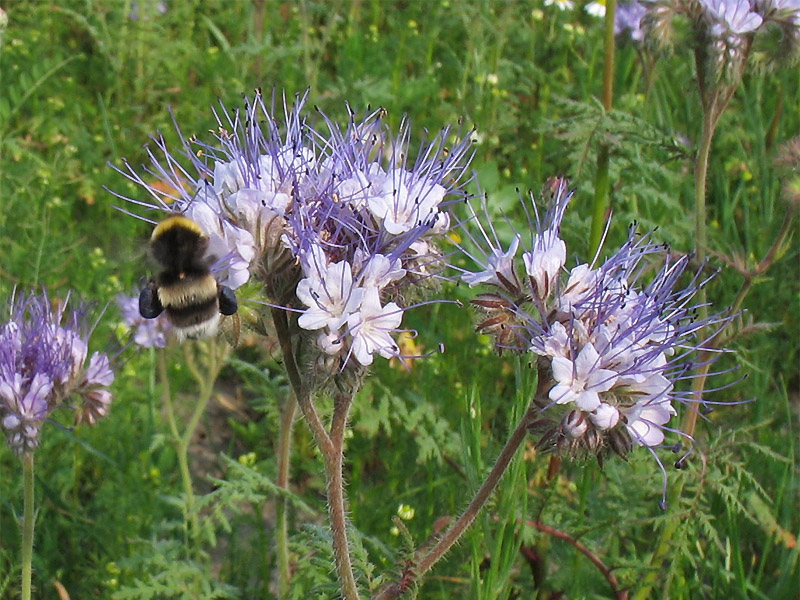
{"points": [[205, 379], [27, 524], [281, 322], [288, 412], [601, 181], [600, 201]]}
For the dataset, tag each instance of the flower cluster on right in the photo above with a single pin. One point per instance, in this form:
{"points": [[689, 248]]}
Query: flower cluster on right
{"points": [[728, 25], [616, 336]]}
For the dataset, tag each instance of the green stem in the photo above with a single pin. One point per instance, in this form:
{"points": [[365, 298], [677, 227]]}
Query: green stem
{"points": [[700, 183], [27, 524], [302, 398], [183, 460], [600, 202], [609, 46], [288, 412], [714, 102], [655, 575], [216, 359], [601, 182], [281, 322], [674, 522], [332, 448]]}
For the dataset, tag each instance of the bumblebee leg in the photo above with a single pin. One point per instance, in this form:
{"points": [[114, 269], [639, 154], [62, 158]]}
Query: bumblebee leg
{"points": [[227, 301], [149, 304]]}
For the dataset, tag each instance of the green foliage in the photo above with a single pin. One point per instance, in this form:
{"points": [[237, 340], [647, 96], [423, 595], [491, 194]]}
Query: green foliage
{"points": [[84, 84], [160, 571]]}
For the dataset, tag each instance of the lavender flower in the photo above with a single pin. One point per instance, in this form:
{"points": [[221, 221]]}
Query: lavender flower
{"points": [[338, 223], [617, 338], [147, 333], [730, 18], [43, 355], [628, 19]]}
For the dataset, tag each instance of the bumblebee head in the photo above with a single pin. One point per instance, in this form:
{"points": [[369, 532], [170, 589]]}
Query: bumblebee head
{"points": [[179, 244]]}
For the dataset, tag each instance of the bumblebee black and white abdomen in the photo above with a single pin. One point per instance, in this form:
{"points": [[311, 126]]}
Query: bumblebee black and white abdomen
{"points": [[185, 290]]}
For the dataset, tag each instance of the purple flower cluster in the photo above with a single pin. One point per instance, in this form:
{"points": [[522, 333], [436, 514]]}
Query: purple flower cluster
{"points": [[628, 19], [147, 333], [335, 222], [616, 337], [43, 361], [725, 27]]}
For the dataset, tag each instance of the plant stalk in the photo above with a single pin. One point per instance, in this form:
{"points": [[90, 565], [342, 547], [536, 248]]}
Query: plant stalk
{"points": [[331, 446], [182, 441], [288, 412], [454, 533], [481, 496], [602, 185], [337, 503], [27, 524]]}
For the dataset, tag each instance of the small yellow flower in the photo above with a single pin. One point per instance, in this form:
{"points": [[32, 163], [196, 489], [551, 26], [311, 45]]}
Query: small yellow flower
{"points": [[248, 460], [406, 512]]}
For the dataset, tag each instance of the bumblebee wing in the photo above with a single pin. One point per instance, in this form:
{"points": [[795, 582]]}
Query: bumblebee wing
{"points": [[227, 301], [149, 304]]}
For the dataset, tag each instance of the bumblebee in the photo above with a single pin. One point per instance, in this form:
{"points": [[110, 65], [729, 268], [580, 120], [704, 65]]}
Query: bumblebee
{"points": [[185, 289]]}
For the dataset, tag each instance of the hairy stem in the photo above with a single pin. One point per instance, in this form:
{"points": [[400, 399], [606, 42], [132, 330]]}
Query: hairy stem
{"points": [[714, 101], [337, 504], [27, 524], [481, 496], [281, 322], [712, 110], [330, 451], [430, 557]]}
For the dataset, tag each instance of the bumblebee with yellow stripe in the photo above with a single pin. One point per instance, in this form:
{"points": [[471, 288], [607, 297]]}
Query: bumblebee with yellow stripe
{"points": [[185, 290]]}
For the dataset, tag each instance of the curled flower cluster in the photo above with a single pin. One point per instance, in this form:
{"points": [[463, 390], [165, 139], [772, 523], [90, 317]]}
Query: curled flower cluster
{"points": [[616, 338], [724, 30], [43, 361], [336, 223]]}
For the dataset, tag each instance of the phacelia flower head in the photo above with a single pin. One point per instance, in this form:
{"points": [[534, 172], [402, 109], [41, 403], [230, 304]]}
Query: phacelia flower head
{"points": [[723, 33], [338, 223], [616, 339], [729, 18], [44, 361]]}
